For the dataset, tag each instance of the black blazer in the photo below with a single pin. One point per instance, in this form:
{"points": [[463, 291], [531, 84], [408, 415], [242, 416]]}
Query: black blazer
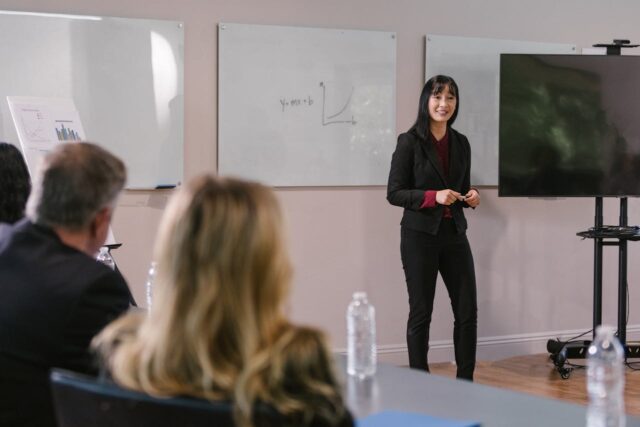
{"points": [[53, 300], [416, 167]]}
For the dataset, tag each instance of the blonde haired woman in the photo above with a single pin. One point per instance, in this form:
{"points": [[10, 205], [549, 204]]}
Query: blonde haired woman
{"points": [[216, 330]]}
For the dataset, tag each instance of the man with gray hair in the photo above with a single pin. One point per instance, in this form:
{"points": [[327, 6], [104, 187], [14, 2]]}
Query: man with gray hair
{"points": [[54, 296]]}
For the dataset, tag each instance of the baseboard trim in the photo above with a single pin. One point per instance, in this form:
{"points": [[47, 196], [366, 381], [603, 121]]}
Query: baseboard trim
{"points": [[491, 348]]}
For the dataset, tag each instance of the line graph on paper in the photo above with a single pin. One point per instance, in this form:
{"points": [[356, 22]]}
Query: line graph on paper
{"points": [[35, 125], [336, 103]]}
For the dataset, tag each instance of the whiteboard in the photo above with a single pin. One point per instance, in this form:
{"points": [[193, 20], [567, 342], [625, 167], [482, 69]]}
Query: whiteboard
{"points": [[306, 106], [474, 63], [125, 76]]}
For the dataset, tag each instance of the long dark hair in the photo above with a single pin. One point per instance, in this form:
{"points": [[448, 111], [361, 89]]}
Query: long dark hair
{"points": [[15, 184], [434, 86]]}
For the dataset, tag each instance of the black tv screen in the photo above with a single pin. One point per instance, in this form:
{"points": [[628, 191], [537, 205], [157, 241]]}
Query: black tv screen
{"points": [[569, 125]]}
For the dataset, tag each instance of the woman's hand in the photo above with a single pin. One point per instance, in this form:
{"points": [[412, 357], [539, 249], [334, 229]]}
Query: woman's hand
{"points": [[472, 198], [447, 197]]}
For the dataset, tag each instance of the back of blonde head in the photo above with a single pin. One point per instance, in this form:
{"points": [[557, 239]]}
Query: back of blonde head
{"points": [[217, 314], [222, 276]]}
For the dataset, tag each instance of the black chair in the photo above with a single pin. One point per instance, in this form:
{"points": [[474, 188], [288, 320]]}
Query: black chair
{"points": [[82, 401]]}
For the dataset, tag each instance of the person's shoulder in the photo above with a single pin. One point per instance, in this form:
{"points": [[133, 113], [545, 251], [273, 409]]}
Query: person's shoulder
{"points": [[458, 135], [306, 334], [102, 291], [20, 236], [411, 134], [301, 347], [409, 138], [99, 276], [5, 231], [86, 276], [8, 228]]}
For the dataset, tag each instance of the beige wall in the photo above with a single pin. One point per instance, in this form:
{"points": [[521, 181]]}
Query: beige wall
{"points": [[534, 275]]}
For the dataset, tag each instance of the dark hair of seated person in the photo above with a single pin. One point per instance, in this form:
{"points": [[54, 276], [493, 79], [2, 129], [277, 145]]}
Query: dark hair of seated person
{"points": [[15, 184], [217, 328]]}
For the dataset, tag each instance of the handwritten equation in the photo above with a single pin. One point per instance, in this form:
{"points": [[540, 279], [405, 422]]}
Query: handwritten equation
{"points": [[341, 115], [296, 102]]}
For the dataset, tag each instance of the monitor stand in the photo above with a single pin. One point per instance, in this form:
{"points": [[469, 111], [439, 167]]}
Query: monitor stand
{"points": [[560, 351], [602, 235]]}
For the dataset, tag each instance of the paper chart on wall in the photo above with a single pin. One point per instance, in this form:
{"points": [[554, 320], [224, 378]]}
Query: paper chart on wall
{"points": [[44, 123]]}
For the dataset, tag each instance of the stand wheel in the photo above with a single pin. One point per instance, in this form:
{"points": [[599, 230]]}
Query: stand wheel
{"points": [[565, 373]]}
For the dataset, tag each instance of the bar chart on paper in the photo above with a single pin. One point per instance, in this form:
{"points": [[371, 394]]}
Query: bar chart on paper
{"points": [[66, 133], [44, 123]]}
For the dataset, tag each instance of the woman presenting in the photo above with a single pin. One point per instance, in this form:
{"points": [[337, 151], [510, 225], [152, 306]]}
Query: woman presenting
{"points": [[429, 178]]}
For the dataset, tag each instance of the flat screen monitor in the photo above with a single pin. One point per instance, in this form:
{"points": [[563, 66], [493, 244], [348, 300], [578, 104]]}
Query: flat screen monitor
{"points": [[569, 125]]}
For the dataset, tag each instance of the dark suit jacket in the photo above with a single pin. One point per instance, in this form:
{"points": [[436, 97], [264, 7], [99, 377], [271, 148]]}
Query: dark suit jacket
{"points": [[416, 167], [53, 300]]}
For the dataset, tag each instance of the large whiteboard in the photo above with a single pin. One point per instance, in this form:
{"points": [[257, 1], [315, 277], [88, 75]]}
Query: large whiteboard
{"points": [[474, 63], [125, 76], [306, 106]]}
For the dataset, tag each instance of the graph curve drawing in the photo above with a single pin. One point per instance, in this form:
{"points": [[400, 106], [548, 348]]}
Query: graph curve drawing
{"points": [[341, 114]]}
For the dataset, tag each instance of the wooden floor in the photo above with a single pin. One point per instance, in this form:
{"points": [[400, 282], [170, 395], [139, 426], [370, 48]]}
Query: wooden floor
{"points": [[535, 374]]}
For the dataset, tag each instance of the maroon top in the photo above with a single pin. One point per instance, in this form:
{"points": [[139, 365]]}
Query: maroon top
{"points": [[442, 147]]}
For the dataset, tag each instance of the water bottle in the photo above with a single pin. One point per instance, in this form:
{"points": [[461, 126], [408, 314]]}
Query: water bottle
{"points": [[605, 380], [104, 256], [361, 337], [151, 277]]}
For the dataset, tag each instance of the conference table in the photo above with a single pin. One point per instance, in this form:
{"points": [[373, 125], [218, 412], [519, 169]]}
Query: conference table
{"points": [[402, 389]]}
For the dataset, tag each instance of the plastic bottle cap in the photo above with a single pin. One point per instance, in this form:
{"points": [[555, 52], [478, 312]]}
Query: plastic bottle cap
{"points": [[605, 329], [359, 295]]}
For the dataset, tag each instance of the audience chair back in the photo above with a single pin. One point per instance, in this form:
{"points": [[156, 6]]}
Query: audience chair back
{"points": [[81, 401]]}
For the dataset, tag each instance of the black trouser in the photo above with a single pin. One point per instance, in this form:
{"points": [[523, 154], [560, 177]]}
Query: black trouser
{"points": [[423, 256]]}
